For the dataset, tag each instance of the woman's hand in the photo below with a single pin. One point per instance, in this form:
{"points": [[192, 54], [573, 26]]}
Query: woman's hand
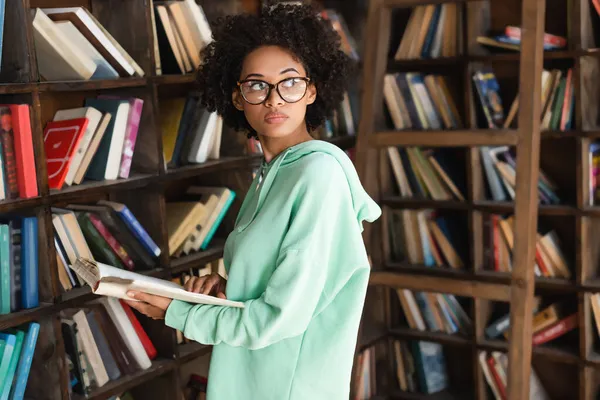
{"points": [[150, 305], [213, 284]]}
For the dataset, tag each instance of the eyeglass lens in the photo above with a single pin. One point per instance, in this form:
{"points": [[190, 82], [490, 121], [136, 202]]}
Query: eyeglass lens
{"points": [[291, 90]]}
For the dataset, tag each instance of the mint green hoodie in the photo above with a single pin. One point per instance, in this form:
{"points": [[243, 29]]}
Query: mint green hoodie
{"points": [[297, 260]]}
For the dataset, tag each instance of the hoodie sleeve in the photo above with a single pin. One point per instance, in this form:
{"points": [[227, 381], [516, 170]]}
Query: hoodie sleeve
{"points": [[293, 292]]}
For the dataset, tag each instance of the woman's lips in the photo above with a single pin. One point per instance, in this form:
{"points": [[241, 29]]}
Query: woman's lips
{"points": [[275, 118]]}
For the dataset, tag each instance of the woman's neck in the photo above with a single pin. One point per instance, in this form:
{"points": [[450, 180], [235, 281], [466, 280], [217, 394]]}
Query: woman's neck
{"points": [[272, 146]]}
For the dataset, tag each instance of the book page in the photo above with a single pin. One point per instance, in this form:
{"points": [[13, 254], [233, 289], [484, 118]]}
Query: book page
{"points": [[114, 282]]}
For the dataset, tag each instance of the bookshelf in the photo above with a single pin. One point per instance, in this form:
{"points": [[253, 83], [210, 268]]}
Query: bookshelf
{"points": [[145, 192], [569, 368]]}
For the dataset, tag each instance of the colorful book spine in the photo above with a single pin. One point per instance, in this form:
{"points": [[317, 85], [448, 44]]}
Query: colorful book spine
{"points": [[214, 227], [560, 328], [4, 270], [26, 173], [8, 341], [138, 231], [133, 126], [12, 367], [111, 241], [29, 260], [10, 164], [18, 390]]}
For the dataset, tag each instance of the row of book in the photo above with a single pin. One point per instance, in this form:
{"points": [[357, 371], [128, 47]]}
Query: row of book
{"points": [[71, 44], [18, 178], [594, 172], [193, 220], [432, 31], [550, 261], [499, 164], [510, 39], [365, 383], [420, 366], [104, 340], [494, 365], [422, 237], [434, 312], [181, 31], [18, 264], [107, 232], [94, 142], [426, 173], [17, 347], [417, 101], [191, 134]]}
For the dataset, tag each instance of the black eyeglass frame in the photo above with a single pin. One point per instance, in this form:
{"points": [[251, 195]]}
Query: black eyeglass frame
{"points": [[271, 86]]}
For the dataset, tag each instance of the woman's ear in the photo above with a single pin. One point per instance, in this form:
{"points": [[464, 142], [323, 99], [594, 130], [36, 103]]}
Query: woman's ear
{"points": [[236, 99], [311, 93]]}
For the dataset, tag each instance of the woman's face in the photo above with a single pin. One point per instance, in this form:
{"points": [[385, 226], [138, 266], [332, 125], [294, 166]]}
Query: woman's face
{"points": [[274, 117]]}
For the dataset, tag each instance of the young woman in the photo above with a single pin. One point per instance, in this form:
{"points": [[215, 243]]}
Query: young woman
{"points": [[295, 258]]}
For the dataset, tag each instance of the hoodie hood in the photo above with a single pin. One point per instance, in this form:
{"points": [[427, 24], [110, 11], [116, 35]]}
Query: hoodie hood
{"points": [[365, 208]]}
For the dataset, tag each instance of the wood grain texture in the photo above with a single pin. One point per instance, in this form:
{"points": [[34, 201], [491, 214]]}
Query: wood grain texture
{"points": [[526, 202], [452, 138]]}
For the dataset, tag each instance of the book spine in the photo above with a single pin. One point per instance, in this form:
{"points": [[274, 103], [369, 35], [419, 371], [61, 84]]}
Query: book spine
{"points": [[10, 165], [111, 241], [496, 376], [29, 266], [220, 217], [12, 368], [133, 126], [498, 328], [26, 173], [143, 336], [4, 270], [556, 330], [18, 390], [138, 231]]}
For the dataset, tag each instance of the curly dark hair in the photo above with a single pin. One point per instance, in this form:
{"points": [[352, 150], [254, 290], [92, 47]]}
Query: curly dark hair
{"points": [[298, 29]]}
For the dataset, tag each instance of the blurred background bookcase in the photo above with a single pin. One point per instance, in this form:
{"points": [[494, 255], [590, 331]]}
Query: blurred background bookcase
{"points": [[568, 366], [147, 190]]}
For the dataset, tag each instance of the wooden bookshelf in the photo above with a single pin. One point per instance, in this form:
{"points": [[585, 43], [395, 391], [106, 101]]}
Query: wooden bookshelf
{"points": [[571, 370], [145, 192]]}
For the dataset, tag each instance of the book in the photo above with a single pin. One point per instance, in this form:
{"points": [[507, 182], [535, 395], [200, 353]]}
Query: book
{"points": [[61, 140], [113, 282]]}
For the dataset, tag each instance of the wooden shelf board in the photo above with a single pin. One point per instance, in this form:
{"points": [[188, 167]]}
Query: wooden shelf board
{"points": [[443, 395], [371, 334], [89, 188], [394, 65], [546, 351], [445, 138], [24, 316], [7, 206], [195, 260], [14, 88], [343, 142], [190, 351], [421, 203], [68, 86], [453, 283], [505, 207], [413, 3], [173, 79], [437, 337], [514, 56], [210, 166], [158, 368]]}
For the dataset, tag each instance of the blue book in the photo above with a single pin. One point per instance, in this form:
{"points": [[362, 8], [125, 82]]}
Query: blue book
{"points": [[29, 263], [8, 347], [4, 270], [214, 227], [433, 27], [2, 12], [430, 366], [12, 368], [18, 390]]}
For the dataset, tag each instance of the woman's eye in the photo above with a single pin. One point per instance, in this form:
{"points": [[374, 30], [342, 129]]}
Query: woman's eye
{"points": [[290, 83], [258, 86]]}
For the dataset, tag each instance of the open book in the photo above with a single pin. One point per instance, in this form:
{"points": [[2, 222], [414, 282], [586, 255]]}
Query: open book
{"points": [[114, 282]]}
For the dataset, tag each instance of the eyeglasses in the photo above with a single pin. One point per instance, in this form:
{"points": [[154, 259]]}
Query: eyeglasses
{"points": [[291, 90]]}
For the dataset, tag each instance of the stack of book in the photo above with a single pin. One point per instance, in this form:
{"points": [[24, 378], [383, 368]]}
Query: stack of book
{"points": [[94, 142], [434, 312], [104, 341], [18, 264], [190, 133], [426, 173], [366, 382], [432, 31], [181, 31], [193, 220], [499, 165], [548, 323], [510, 39], [421, 237], [558, 100], [550, 261], [594, 182], [17, 163], [416, 101], [107, 232], [420, 367], [17, 347], [343, 122], [71, 44], [495, 367]]}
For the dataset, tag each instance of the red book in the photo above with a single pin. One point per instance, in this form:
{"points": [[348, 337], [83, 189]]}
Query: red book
{"points": [[553, 331], [540, 261], [113, 243], [148, 346], [566, 106], [494, 371], [26, 173], [515, 33], [11, 185], [61, 140]]}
